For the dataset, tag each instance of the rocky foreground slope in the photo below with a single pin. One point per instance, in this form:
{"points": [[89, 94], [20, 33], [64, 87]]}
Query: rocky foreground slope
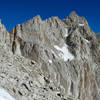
{"points": [[50, 59]]}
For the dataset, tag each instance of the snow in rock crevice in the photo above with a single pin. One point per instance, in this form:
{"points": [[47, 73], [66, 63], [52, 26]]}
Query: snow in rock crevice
{"points": [[64, 52], [81, 24], [50, 61], [87, 41], [66, 34], [4, 95]]}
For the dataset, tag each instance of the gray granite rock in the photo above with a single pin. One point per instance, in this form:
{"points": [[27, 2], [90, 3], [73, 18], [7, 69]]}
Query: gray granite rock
{"points": [[50, 59]]}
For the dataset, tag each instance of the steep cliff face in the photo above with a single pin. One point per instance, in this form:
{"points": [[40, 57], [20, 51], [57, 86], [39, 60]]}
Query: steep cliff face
{"points": [[65, 54], [22, 78]]}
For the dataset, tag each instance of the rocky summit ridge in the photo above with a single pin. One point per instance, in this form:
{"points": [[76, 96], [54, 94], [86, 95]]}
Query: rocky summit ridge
{"points": [[50, 59]]}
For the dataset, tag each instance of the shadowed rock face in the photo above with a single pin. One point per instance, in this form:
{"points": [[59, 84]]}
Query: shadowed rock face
{"points": [[51, 59]]}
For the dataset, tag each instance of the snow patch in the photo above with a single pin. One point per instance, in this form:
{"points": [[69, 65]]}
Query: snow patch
{"points": [[4, 95], [66, 34], [50, 61], [87, 41], [64, 52], [81, 24]]}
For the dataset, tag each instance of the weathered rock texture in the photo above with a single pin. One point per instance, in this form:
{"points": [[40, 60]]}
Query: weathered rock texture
{"points": [[50, 59], [98, 36]]}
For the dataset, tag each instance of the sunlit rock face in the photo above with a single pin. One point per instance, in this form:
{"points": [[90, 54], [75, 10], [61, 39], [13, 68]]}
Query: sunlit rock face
{"points": [[98, 36], [50, 59]]}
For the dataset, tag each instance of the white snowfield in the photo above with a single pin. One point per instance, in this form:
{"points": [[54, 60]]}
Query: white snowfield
{"points": [[4, 95], [64, 52]]}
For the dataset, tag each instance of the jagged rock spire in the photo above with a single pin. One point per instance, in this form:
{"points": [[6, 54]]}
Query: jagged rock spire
{"points": [[73, 13]]}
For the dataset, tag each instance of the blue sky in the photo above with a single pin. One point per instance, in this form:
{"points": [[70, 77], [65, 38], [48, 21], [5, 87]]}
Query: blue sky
{"points": [[14, 12]]}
